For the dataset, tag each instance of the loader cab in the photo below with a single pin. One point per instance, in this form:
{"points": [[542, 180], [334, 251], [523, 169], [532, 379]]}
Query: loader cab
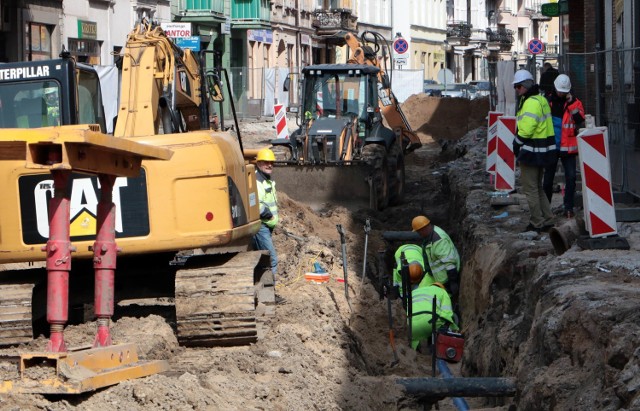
{"points": [[49, 93], [339, 90]]}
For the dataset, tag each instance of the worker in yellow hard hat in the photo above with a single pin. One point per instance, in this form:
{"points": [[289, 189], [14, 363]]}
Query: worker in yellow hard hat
{"points": [[268, 205], [439, 253]]}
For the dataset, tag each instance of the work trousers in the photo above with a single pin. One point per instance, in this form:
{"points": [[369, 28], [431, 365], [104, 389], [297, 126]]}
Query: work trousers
{"points": [[539, 208], [569, 166], [263, 241]]}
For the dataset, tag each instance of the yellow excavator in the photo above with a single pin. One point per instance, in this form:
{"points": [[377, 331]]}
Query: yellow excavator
{"points": [[181, 199], [353, 135]]}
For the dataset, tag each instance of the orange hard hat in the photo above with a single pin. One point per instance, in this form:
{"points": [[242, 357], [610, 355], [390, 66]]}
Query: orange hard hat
{"points": [[415, 272], [419, 222]]}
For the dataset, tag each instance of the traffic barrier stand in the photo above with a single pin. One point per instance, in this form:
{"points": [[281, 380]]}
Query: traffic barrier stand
{"points": [[505, 162], [492, 134], [599, 208], [282, 128]]}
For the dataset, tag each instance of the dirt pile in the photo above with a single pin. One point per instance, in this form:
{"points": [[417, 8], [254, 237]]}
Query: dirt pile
{"points": [[444, 118]]}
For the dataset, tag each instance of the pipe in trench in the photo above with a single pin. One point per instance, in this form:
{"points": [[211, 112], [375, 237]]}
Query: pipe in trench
{"points": [[458, 402], [430, 388]]}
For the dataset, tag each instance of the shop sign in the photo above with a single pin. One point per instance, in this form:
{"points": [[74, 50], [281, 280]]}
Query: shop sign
{"points": [[87, 29], [262, 36], [176, 29]]}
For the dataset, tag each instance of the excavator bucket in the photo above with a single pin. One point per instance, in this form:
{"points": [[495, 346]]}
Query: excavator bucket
{"points": [[76, 372], [349, 185]]}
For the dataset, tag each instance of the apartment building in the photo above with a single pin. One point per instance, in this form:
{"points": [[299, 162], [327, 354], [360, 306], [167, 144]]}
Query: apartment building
{"points": [[89, 30]]}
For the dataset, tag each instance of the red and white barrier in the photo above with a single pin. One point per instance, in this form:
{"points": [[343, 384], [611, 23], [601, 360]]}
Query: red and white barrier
{"points": [[492, 133], [282, 129], [599, 209], [505, 167]]}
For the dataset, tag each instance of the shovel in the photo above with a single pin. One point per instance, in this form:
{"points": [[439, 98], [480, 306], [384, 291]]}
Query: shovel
{"points": [[367, 228], [343, 241]]}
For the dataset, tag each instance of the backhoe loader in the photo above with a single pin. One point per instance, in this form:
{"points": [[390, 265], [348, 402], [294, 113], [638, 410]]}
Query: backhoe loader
{"points": [[182, 224], [343, 151]]}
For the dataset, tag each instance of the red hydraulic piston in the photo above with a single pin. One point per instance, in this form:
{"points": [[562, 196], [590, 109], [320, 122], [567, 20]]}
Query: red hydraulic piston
{"points": [[104, 260], [58, 251]]}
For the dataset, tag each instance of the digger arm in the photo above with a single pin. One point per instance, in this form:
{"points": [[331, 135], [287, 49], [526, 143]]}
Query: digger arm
{"points": [[391, 111], [155, 73]]}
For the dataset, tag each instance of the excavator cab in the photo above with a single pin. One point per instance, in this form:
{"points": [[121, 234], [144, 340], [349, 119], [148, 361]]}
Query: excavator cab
{"points": [[342, 151]]}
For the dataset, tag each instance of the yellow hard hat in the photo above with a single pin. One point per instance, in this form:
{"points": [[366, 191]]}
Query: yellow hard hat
{"points": [[419, 222], [415, 272], [265, 155]]}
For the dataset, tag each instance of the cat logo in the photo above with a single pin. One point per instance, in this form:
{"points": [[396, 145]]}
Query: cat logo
{"points": [[129, 197]]}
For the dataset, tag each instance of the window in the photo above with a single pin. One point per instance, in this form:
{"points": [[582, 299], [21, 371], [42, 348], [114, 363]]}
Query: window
{"points": [[37, 41]]}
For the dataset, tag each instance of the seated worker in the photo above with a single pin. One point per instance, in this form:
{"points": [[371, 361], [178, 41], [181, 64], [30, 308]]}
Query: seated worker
{"points": [[440, 253], [413, 254], [422, 310]]}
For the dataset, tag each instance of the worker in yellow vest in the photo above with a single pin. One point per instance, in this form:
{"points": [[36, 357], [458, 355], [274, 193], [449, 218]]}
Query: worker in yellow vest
{"points": [[268, 198], [421, 311]]}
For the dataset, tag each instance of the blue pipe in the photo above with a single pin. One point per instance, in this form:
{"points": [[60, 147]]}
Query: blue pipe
{"points": [[458, 402]]}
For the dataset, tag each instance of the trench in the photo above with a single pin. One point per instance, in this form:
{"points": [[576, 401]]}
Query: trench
{"points": [[564, 327]]}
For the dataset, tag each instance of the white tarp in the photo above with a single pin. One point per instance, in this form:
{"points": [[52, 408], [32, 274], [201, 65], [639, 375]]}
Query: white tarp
{"points": [[504, 85], [269, 91], [406, 83], [109, 87]]}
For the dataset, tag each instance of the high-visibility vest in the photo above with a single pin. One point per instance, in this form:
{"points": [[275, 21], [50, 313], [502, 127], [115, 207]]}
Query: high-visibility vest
{"points": [[413, 253], [268, 198], [422, 309], [535, 136], [568, 140], [442, 255]]}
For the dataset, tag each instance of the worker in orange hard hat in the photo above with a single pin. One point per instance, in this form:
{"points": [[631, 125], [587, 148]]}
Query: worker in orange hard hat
{"points": [[268, 198], [440, 255]]}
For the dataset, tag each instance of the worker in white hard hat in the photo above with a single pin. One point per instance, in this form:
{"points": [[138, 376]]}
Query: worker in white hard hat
{"points": [[567, 114], [535, 148], [268, 198]]}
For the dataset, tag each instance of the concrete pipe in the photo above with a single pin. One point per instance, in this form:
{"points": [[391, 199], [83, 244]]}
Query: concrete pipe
{"points": [[563, 236]]}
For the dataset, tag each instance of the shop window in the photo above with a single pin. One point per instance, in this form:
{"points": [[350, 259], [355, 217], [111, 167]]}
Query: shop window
{"points": [[37, 41]]}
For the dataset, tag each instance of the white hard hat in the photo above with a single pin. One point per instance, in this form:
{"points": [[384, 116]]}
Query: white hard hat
{"points": [[522, 75], [562, 83]]}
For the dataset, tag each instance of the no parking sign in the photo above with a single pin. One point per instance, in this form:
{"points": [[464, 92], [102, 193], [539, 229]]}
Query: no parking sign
{"points": [[535, 46]]}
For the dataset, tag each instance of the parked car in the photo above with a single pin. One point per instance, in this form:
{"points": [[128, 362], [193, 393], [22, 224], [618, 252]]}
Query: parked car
{"points": [[479, 88], [459, 90]]}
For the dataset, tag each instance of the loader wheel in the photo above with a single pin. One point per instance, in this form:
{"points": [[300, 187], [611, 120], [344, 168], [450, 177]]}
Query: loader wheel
{"points": [[396, 175], [376, 156]]}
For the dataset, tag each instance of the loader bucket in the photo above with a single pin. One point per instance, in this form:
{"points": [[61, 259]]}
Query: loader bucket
{"points": [[316, 185]]}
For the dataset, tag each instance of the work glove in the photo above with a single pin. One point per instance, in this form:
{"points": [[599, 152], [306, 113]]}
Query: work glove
{"points": [[266, 214]]}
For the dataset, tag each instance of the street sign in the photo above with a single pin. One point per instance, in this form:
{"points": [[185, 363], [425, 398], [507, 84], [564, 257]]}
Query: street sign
{"points": [[535, 46], [400, 45], [401, 61]]}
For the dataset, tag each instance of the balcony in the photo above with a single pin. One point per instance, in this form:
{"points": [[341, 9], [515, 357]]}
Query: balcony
{"points": [[551, 49], [195, 10], [459, 33], [331, 22], [500, 39], [251, 14]]}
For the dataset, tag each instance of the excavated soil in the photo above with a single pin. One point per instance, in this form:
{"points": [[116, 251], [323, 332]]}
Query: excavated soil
{"points": [[565, 327]]}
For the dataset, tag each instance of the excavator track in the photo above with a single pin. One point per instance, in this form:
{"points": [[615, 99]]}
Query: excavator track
{"points": [[217, 305], [15, 314]]}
